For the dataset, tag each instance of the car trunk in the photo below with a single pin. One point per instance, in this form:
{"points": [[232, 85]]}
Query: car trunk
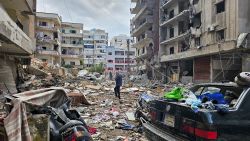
{"points": [[181, 120]]}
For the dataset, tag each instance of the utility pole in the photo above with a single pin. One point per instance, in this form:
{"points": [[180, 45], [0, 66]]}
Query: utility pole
{"points": [[128, 56]]}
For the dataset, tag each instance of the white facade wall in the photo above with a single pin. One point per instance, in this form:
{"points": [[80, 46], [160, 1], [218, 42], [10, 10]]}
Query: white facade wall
{"points": [[121, 41]]}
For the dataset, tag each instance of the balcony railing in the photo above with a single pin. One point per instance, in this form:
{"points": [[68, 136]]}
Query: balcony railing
{"points": [[182, 36], [142, 26], [48, 28], [48, 52], [137, 8], [79, 35], [182, 15], [10, 32], [72, 45], [72, 55]]}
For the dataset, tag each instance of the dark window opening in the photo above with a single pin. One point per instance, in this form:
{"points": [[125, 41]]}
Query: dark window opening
{"points": [[110, 53], [73, 31], [73, 42], [183, 47], [44, 48], [220, 35], [63, 31], [195, 2], [171, 50], [143, 50], [151, 28], [197, 20], [171, 32], [55, 47], [181, 27], [72, 63], [110, 61], [64, 51], [44, 60], [55, 35], [220, 7], [197, 41], [42, 23], [171, 14]]}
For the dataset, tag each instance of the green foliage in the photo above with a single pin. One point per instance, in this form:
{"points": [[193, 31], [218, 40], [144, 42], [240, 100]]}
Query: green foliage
{"points": [[97, 68], [81, 62]]}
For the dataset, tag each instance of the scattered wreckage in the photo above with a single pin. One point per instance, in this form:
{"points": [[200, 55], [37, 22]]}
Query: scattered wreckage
{"points": [[214, 111]]}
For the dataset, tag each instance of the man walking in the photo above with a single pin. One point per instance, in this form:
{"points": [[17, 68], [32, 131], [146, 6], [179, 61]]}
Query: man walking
{"points": [[118, 84]]}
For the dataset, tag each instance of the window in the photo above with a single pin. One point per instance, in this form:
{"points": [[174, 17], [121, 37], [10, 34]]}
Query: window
{"points": [[195, 2], [138, 52], [171, 14], [73, 42], [72, 63], [44, 48], [171, 50], [181, 27], [110, 61], [143, 50], [220, 7], [42, 23], [171, 32], [88, 56], [220, 35], [44, 60], [99, 56], [197, 41], [73, 31], [110, 53], [63, 31]]}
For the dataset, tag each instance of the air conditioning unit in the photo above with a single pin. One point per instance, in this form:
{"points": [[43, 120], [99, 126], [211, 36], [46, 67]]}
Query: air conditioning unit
{"points": [[211, 28]]}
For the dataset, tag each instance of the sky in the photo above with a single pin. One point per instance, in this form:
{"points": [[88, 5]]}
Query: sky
{"points": [[110, 15]]}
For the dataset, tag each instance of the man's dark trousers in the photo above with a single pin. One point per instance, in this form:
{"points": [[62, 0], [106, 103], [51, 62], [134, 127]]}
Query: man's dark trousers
{"points": [[117, 91]]}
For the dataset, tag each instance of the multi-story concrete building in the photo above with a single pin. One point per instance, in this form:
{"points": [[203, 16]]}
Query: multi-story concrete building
{"points": [[121, 41], [145, 30], [204, 40], [95, 43], [17, 40], [48, 35], [72, 44], [120, 59]]}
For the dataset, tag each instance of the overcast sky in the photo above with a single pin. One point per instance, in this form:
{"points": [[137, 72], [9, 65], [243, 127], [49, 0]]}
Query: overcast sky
{"points": [[111, 15]]}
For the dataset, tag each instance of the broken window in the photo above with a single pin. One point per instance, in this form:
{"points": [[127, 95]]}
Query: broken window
{"points": [[55, 47], [171, 50], [55, 35], [143, 50], [73, 63], [44, 48], [197, 41], [220, 35], [171, 32], [42, 23], [220, 7], [73, 31], [197, 20], [181, 27], [171, 14]]}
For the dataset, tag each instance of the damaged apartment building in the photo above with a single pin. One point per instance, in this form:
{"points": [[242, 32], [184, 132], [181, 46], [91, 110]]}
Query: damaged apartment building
{"points": [[48, 37], [204, 40], [72, 44], [145, 30], [17, 40]]}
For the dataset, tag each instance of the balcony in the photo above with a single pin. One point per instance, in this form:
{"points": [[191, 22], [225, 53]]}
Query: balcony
{"points": [[167, 3], [76, 35], [49, 41], [48, 52], [184, 14], [143, 26], [195, 52], [14, 39], [145, 41], [47, 28], [137, 8], [176, 38], [72, 55], [20, 5], [142, 11], [72, 45]]}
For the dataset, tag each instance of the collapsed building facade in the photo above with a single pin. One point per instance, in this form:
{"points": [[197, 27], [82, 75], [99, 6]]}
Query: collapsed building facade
{"points": [[145, 30], [204, 40], [17, 40], [48, 35]]}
